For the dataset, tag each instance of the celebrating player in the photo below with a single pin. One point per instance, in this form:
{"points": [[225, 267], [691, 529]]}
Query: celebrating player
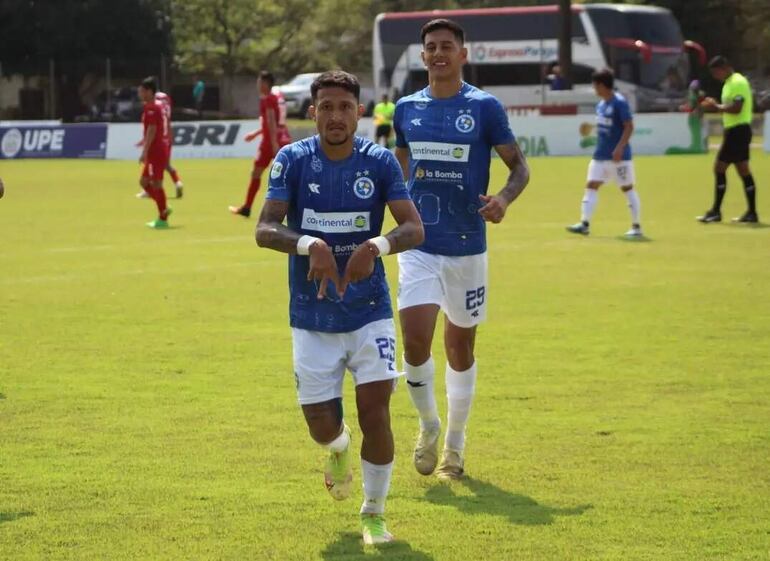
{"points": [[736, 109], [332, 189], [444, 136], [269, 111], [155, 150], [612, 156], [167, 103]]}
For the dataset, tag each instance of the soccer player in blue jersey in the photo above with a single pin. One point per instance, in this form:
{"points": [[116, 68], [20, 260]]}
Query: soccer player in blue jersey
{"points": [[444, 137], [612, 156], [332, 189]]}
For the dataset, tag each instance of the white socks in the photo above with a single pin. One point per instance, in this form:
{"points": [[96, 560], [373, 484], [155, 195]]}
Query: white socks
{"points": [[340, 443], [460, 387], [376, 480], [591, 197], [634, 205], [588, 204], [419, 380]]}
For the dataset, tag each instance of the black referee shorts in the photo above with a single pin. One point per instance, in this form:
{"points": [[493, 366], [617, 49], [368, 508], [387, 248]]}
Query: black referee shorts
{"points": [[735, 145], [382, 130]]}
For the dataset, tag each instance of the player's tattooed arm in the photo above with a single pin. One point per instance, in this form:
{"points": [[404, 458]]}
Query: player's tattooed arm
{"points": [[271, 231], [273, 234], [495, 205], [402, 155], [409, 233]]}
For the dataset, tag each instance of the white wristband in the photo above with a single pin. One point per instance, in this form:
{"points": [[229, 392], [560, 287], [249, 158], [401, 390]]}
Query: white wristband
{"points": [[304, 243], [382, 244]]}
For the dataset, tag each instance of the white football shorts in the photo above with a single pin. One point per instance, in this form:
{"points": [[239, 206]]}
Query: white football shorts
{"points": [[622, 172], [458, 284], [320, 359]]}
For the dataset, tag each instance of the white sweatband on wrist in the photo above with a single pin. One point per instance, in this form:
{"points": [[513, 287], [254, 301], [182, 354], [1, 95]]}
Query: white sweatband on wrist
{"points": [[382, 244], [304, 243]]}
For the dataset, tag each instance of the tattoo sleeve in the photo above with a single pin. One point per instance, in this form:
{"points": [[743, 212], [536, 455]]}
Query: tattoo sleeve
{"points": [[519, 177], [271, 232], [409, 233]]}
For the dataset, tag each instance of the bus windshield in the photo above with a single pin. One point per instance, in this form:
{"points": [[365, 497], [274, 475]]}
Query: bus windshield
{"points": [[667, 69]]}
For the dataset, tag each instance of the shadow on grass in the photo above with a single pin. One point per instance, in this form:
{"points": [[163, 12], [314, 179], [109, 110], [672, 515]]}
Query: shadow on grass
{"points": [[490, 499], [12, 516], [350, 547], [640, 239], [747, 226]]}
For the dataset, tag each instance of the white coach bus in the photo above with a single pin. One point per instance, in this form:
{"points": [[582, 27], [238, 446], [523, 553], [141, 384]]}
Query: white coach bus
{"points": [[510, 50]]}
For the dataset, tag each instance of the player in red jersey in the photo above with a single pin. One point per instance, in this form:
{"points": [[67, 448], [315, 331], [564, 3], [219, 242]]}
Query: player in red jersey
{"points": [[155, 150], [167, 103], [273, 137]]}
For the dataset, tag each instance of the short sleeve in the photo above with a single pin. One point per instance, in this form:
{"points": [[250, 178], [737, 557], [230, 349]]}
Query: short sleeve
{"points": [[280, 183], [393, 178], [624, 111], [397, 117], [497, 129]]}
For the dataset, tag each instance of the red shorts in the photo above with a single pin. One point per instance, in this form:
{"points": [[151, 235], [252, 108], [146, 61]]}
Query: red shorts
{"points": [[265, 152], [264, 155], [154, 166]]}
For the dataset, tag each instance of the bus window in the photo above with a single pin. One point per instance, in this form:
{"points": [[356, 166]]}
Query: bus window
{"points": [[524, 74]]}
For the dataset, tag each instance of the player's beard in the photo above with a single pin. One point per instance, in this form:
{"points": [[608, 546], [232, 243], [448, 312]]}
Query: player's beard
{"points": [[340, 142]]}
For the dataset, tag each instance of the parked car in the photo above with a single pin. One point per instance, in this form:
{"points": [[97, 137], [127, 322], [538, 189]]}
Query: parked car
{"points": [[124, 106], [296, 92]]}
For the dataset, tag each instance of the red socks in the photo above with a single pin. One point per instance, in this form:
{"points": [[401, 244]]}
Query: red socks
{"points": [[253, 190], [159, 196]]}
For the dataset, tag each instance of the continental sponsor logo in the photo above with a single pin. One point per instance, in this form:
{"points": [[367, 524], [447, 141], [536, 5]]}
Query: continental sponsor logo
{"points": [[335, 222], [438, 175], [440, 151]]}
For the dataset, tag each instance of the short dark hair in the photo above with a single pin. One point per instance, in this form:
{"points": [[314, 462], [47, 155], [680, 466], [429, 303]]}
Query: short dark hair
{"points": [[150, 84], [442, 23], [336, 79], [267, 76], [719, 62], [604, 77]]}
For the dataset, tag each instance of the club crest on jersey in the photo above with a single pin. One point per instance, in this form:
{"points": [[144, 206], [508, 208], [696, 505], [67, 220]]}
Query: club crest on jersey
{"points": [[277, 170], [316, 165], [363, 187], [465, 123]]}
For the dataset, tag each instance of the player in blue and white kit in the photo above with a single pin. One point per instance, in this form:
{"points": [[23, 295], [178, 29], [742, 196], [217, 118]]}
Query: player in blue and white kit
{"points": [[444, 138], [612, 157], [332, 189]]}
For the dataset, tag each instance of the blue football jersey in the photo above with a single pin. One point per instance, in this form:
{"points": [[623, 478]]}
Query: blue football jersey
{"points": [[343, 203], [450, 142], [610, 117]]}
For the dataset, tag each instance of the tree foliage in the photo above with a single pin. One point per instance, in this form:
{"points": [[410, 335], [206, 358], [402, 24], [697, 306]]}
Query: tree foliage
{"points": [[32, 32]]}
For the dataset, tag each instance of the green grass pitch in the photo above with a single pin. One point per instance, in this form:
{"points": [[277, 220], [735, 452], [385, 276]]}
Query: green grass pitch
{"points": [[147, 405]]}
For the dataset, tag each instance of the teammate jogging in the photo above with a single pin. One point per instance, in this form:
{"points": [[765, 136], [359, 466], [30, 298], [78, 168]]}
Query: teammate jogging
{"points": [[444, 137]]}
